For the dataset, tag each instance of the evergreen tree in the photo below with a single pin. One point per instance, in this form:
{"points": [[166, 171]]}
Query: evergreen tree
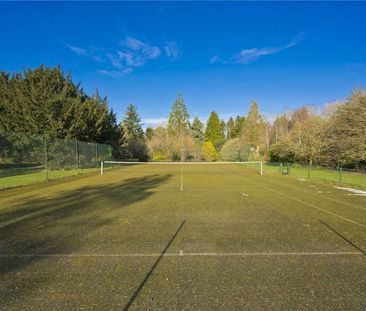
{"points": [[229, 128], [253, 126], [132, 125], [46, 101], [223, 130], [238, 127], [209, 152], [134, 134], [178, 128], [214, 131], [149, 133], [179, 117], [197, 130]]}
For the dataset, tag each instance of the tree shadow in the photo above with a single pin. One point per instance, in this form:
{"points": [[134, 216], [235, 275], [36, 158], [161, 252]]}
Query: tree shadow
{"points": [[57, 225]]}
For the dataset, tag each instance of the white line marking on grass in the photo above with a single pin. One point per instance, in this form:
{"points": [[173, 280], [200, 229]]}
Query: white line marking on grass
{"points": [[181, 179], [205, 254], [305, 203], [354, 191]]}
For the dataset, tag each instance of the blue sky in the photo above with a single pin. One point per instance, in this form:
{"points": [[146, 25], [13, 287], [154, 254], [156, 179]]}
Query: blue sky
{"points": [[218, 55]]}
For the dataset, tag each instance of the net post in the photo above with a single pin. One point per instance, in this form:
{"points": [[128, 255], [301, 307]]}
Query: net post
{"points": [[261, 168], [101, 167]]}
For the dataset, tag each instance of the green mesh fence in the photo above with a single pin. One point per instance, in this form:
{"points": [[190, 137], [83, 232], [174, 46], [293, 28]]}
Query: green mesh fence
{"points": [[27, 159], [356, 178]]}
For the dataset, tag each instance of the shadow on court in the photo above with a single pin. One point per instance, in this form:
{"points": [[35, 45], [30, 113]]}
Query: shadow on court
{"points": [[58, 224]]}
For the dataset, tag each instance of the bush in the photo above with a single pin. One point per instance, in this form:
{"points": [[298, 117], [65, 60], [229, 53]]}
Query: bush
{"points": [[209, 152], [231, 150]]}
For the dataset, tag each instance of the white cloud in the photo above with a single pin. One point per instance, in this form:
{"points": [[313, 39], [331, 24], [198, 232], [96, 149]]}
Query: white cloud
{"points": [[172, 50], [129, 54], [77, 50], [248, 56], [155, 121]]}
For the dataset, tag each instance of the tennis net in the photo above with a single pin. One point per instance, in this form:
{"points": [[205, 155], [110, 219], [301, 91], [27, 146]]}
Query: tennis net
{"points": [[117, 167]]}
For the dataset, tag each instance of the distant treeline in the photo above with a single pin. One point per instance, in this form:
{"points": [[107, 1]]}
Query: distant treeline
{"points": [[46, 101]]}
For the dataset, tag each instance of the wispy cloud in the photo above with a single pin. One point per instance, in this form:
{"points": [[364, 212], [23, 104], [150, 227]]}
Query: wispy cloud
{"points": [[172, 50], [154, 122], [129, 54], [77, 50], [92, 52], [248, 56]]}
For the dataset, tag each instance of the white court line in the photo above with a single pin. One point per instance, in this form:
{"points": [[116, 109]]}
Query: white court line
{"points": [[181, 179], [305, 203], [180, 254]]}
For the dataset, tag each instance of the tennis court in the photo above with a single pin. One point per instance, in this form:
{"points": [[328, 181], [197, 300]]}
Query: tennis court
{"points": [[182, 237]]}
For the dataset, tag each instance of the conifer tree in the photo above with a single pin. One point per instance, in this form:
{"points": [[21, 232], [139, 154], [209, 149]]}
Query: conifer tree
{"points": [[197, 130], [229, 128], [178, 127], [214, 131]]}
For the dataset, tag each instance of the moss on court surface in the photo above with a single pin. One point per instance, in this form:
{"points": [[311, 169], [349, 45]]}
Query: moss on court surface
{"points": [[119, 241]]}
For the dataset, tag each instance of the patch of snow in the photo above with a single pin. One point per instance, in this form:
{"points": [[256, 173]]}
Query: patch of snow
{"points": [[354, 191]]}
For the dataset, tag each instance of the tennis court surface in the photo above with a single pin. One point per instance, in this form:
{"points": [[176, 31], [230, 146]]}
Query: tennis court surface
{"points": [[182, 237]]}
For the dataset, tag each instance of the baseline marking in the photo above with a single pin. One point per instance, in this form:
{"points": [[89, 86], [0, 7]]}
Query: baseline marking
{"points": [[181, 253]]}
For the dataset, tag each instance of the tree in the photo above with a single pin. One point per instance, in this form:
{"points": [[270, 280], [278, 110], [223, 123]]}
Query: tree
{"points": [[209, 152], [254, 126], [46, 101], [132, 124], [160, 145], [198, 136], [231, 150], [149, 133], [308, 135], [346, 133], [197, 130], [178, 127], [238, 127], [223, 130], [214, 131], [134, 134], [229, 128]]}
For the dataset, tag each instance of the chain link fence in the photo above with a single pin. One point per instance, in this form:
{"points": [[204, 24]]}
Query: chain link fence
{"points": [[351, 177], [29, 158]]}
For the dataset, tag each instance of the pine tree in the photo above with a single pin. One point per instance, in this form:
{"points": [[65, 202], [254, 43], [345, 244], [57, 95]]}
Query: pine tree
{"points": [[134, 134], [229, 128], [223, 130], [253, 126], [149, 133], [197, 130], [132, 124], [178, 127], [178, 117], [238, 127], [214, 131]]}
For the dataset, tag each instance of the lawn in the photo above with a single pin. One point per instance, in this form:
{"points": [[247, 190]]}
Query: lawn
{"points": [[10, 178], [174, 237], [346, 177]]}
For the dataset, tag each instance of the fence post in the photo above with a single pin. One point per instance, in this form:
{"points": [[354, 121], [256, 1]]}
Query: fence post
{"points": [[340, 174], [77, 156], [45, 156]]}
